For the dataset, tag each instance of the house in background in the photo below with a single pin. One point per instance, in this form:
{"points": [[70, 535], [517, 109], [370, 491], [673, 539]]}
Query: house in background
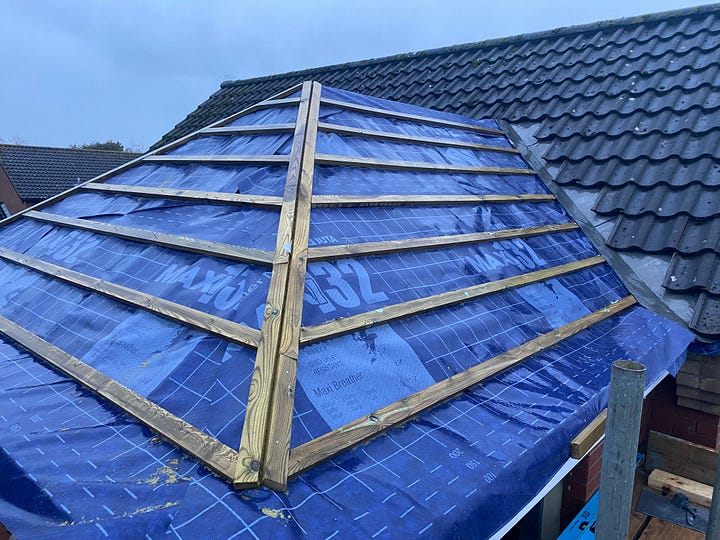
{"points": [[30, 174]]}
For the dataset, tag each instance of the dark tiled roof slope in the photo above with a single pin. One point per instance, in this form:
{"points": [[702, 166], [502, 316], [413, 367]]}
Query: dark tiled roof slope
{"points": [[628, 107], [39, 172]]}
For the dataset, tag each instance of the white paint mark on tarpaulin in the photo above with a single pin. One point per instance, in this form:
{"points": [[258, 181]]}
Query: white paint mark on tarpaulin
{"points": [[354, 375]]}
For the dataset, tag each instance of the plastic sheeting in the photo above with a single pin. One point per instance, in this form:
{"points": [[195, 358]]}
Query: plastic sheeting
{"points": [[76, 466]]}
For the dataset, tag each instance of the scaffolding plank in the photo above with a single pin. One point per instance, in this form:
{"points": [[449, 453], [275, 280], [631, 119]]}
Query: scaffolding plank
{"points": [[252, 452], [411, 139], [336, 327], [362, 429], [365, 249], [395, 165], [211, 452], [263, 201], [433, 200], [411, 117], [279, 429], [205, 247], [239, 333]]}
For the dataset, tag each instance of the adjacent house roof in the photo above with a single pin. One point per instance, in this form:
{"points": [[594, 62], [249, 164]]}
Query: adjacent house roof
{"points": [[39, 172], [626, 113], [378, 307]]}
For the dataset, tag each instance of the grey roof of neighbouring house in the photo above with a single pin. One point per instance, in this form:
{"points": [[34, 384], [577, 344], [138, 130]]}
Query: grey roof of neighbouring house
{"points": [[624, 116], [39, 172]]}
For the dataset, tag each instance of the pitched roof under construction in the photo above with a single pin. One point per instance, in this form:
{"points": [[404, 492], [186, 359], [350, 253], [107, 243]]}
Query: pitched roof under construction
{"points": [[276, 289]]}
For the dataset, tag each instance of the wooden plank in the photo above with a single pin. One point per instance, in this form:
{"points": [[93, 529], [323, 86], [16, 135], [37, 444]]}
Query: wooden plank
{"points": [[411, 139], [587, 438], [263, 201], [677, 456], [666, 482], [413, 200], [201, 446], [219, 159], [393, 165], [239, 333], [279, 428], [325, 447], [182, 243], [336, 327], [251, 455], [411, 117], [366, 249], [247, 130]]}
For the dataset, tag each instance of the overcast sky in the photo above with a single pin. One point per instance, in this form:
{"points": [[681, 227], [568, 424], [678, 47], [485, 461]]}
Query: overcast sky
{"points": [[74, 72]]}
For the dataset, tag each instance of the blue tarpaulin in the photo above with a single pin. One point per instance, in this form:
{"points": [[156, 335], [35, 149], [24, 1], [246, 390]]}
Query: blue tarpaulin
{"points": [[75, 465]]}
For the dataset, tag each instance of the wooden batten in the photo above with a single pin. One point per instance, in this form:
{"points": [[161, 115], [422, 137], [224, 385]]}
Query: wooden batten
{"points": [[252, 453], [393, 165], [366, 249], [336, 327], [218, 159], [262, 201], [239, 333], [588, 437], [182, 243], [320, 201], [247, 130], [411, 117], [208, 450], [412, 139], [325, 447]]}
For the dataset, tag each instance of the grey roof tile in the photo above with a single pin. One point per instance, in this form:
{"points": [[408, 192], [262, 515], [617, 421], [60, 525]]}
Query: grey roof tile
{"points": [[39, 172], [631, 106]]}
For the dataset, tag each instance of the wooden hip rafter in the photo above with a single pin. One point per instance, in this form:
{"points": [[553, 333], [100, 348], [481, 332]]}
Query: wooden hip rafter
{"points": [[265, 441]]}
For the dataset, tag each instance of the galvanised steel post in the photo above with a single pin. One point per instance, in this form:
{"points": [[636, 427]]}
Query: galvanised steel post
{"points": [[622, 429]]}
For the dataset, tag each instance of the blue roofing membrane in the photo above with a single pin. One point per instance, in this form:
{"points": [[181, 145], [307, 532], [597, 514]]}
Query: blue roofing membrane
{"points": [[75, 465]]}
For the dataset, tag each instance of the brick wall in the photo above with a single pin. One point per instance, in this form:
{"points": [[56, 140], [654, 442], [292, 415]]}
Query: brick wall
{"points": [[666, 416], [580, 484]]}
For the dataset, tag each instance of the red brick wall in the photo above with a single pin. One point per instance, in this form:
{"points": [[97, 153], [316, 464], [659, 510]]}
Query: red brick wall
{"points": [[666, 416], [580, 484]]}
